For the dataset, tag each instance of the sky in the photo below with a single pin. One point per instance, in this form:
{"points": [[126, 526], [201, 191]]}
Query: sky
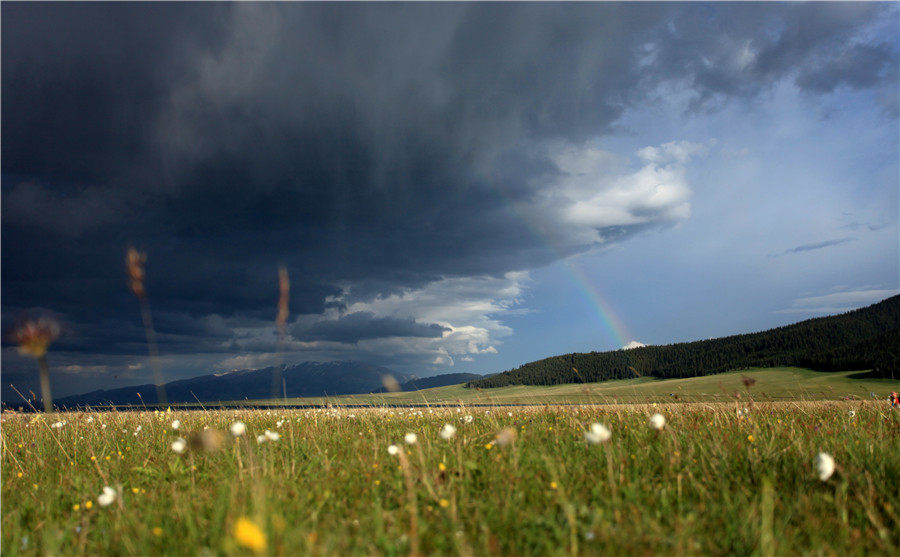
{"points": [[452, 187]]}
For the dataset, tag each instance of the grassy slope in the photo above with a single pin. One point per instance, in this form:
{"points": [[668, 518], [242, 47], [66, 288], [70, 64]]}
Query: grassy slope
{"points": [[771, 384]]}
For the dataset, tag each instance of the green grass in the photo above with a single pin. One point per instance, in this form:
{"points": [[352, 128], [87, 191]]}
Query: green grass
{"points": [[718, 480], [788, 383]]}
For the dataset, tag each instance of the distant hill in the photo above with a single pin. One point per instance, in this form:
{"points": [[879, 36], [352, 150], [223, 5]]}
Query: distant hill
{"points": [[867, 338], [419, 383], [301, 380]]}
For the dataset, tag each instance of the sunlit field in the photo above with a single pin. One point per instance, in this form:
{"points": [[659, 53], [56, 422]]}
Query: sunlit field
{"points": [[719, 478]]}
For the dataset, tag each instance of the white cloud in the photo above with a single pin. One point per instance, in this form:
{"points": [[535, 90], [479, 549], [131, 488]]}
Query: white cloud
{"points": [[596, 196], [838, 302]]}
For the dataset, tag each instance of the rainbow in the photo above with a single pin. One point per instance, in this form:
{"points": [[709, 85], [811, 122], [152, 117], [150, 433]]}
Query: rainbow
{"points": [[605, 314]]}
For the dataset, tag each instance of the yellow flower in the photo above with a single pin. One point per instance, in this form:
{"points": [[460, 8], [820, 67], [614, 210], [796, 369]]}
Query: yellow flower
{"points": [[377, 482], [249, 535], [157, 531], [444, 503], [107, 457], [76, 507], [88, 504], [750, 438], [442, 467], [19, 474], [93, 457], [135, 490], [553, 485]]}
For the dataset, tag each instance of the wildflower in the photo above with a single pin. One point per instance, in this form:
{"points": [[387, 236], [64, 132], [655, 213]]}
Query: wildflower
{"points": [[179, 445], [176, 424], [444, 503], [76, 507], [393, 450], [468, 419], [442, 466], [410, 438], [750, 438], [88, 505], [157, 531], [657, 421], [447, 432], [278, 423], [90, 419], [260, 439], [506, 437], [34, 336], [272, 436], [852, 413], [249, 535], [56, 425], [825, 466], [553, 485], [598, 433], [107, 497], [238, 429]]}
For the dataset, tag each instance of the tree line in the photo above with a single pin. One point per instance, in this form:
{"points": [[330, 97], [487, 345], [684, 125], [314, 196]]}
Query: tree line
{"points": [[863, 339]]}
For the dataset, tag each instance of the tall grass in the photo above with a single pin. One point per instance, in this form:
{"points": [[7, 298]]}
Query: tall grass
{"points": [[717, 480]]}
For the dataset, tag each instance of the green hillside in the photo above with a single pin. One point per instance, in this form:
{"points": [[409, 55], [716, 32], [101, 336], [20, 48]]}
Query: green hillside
{"points": [[867, 338], [769, 384]]}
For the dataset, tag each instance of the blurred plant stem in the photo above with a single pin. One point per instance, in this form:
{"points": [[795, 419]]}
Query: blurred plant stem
{"points": [[45, 384]]}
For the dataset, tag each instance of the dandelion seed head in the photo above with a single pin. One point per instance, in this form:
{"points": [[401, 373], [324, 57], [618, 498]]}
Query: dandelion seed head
{"points": [[106, 498], [824, 466], [447, 432], [179, 445], [657, 421], [410, 438], [598, 433], [393, 450], [238, 429], [176, 424]]}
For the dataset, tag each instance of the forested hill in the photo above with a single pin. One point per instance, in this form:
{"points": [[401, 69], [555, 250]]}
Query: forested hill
{"points": [[867, 338]]}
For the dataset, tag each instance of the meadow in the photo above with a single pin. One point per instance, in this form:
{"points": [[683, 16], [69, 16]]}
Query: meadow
{"points": [[737, 477], [768, 384]]}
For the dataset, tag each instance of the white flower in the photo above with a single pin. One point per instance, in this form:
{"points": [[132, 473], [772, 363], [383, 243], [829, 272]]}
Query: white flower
{"points": [[410, 438], [56, 425], [825, 465], [176, 424], [852, 413], [102, 426], [272, 436], [238, 429], [90, 419], [260, 439], [107, 497], [278, 423], [393, 450], [597, 434], [657, 421], [447, 432], [468, 419], [179, 445]]}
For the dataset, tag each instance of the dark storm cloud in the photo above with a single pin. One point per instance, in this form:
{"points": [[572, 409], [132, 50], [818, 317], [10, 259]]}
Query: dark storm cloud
{"points": [[379, 145], [362, 325]]}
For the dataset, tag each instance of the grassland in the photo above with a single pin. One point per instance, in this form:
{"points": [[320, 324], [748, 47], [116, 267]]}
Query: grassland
{"points": [[770, 384], [720, 478]]}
